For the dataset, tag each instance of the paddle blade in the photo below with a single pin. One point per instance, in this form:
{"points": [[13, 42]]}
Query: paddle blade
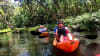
{"points": [[35, 33]]}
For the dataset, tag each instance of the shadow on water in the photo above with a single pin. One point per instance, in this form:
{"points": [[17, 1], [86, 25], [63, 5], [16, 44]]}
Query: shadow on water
{"points": [[91, 49], [92, 46]]}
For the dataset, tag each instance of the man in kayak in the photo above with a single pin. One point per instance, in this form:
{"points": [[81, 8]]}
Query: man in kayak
{"points": [[42, 29], [61, 32]]}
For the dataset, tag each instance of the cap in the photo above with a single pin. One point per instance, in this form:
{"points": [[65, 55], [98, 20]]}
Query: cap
{"points": [[41, 26]]}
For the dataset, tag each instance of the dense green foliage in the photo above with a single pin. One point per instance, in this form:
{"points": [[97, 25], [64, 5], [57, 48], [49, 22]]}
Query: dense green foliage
{"points": [[49, 12], [87, 21]]}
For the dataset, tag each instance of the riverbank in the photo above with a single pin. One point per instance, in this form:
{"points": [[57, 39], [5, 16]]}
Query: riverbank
{"points": [[19, 29]]}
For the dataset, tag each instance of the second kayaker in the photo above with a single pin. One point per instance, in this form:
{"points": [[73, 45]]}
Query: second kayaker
{"points": [[42, 28], [43, 31]]}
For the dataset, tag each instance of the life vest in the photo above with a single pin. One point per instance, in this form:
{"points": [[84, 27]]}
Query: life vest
{"points": [[42, 29]]}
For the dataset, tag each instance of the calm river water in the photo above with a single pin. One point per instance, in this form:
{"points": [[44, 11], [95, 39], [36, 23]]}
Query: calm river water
{"points": [[25, 44]]}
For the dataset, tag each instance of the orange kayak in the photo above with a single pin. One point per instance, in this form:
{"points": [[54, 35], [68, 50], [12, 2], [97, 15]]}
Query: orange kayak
{"points": [[67, 46], [44, 34]]}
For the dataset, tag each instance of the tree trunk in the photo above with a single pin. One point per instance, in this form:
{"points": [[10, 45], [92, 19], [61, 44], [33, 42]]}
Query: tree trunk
{"points": [[8, 24]]}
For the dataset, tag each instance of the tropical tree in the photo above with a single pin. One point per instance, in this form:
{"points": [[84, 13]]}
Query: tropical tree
{"points": [[6, 15]]}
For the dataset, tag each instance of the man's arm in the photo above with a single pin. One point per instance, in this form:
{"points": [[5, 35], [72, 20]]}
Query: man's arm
{"points": [[68, 33], [39, 30]]}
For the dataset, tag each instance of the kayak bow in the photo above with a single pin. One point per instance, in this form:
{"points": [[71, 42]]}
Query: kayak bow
{"points": [[68, 46]]}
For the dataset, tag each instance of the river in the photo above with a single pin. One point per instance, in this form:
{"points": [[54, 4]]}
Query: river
{"points": [[25, 44]]}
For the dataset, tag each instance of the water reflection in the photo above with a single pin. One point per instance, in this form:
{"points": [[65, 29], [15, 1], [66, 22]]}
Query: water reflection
{"points": [[45, 50], [90, 49], [25, 53]]}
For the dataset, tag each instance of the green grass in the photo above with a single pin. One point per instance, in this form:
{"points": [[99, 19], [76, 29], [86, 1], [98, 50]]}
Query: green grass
{"points": [[5, 30]]}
